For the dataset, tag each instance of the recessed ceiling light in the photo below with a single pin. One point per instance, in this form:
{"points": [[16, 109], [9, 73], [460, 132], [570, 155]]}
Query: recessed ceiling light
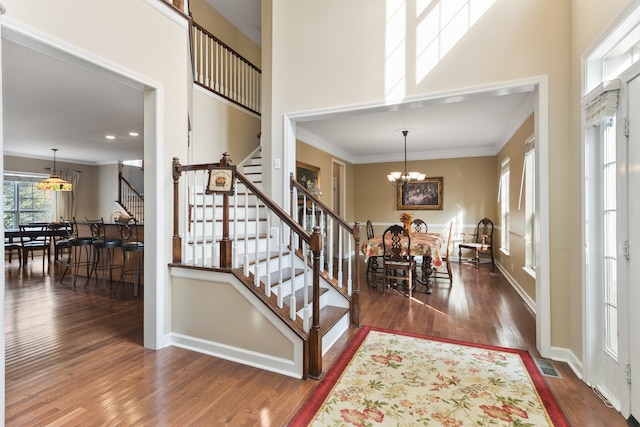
{"points": [[110, 137], [133, 133]]}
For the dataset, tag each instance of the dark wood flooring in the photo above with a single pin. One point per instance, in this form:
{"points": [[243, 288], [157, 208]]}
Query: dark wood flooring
{"points": [[75, 356]]}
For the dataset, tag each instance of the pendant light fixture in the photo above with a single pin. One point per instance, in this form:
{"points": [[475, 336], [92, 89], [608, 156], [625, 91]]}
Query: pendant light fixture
{"points": [[396, 177], [54, 182]]}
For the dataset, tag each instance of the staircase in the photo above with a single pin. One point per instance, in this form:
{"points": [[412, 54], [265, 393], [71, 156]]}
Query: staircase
{"points": [[334, 306], [130, 199], [270, 258]]}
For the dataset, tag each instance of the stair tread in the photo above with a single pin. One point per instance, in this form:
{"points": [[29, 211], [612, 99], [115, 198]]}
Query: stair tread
{"points": [[286, 275], [262, 256], [330, 315], [209, 239], [300, 294]]}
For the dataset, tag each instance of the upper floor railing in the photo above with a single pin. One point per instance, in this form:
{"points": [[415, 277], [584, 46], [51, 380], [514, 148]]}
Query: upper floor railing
{"points": [[223, 71]]}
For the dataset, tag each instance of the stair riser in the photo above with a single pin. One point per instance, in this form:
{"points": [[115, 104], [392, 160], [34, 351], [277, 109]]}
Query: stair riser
{"points": [[200, 199], [241, 213], [209, 229]]}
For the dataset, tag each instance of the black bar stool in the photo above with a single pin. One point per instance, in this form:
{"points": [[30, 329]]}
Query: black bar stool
{"points": [[133, 251], [79, 243], [103, 251]]}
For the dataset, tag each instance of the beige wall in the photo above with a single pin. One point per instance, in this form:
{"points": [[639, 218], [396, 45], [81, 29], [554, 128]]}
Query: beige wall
{"points": [[312, 156], [106, 188], [85, 190], [515, 261], [200, 308], [219, 127], [469, 193]]}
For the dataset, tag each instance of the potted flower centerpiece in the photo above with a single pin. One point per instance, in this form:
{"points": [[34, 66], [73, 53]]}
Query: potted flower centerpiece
{"points": [[406, 219]]}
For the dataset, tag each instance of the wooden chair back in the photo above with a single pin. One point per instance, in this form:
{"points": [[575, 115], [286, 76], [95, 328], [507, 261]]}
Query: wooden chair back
{"points": [[370, 234], [397, 266], [392, 243], [419, 226], [484, 232]]}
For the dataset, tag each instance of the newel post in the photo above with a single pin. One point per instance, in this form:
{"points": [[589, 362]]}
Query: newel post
{"points": [[226, 244], [177, 241], [315, 339], [355, 297]]}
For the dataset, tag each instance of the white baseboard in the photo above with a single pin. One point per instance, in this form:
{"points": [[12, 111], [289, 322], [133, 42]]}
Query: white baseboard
{"points": [[291, 368]]}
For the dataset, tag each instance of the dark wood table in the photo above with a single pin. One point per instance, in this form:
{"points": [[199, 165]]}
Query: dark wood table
{"points": [[426, 245], [14, 235]]}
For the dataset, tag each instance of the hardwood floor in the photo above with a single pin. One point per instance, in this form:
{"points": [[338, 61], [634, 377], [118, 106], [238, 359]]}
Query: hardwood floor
{"points": [[75, 356]]}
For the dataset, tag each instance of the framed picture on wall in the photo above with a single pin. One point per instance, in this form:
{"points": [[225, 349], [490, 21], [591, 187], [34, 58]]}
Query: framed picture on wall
{"points": [[308, 175], [423, 195]]}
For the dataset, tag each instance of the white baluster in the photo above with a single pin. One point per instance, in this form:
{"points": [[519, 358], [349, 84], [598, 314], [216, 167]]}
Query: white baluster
{"points": [[256, 272], [340, 255], [246, 228], [267, 284]]}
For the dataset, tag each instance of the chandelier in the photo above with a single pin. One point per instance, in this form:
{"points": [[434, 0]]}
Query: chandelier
{"points": [[54, 182], [395, 177]]}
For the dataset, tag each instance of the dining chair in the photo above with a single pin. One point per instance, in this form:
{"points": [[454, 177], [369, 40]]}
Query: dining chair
{"points": [[481, 243], [10, 247], [373, 267], [61, 235], [132, 253], [103, 251], [35, 238], [396, 266], [438, 272], [419, 226], [80, 245]]}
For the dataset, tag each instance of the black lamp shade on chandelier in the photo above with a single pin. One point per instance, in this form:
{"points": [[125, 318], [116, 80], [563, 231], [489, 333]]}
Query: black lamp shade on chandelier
{"points": [[54, 182], [395, 177]]}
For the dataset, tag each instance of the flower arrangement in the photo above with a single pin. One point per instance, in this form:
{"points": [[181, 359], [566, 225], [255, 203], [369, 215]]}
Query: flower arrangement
{"points": [[406, 218]]}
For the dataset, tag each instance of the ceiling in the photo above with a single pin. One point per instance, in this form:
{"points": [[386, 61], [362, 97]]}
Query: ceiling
{"points": [[74, 105]]}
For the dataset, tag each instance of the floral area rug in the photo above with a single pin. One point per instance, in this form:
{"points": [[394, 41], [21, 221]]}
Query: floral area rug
{"points": [[388, 378]]}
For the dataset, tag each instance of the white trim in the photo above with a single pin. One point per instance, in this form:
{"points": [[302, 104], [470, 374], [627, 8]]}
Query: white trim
{"points": [[543, 271], [514, 284], [225, 101], [530, 271], [504, 88]]}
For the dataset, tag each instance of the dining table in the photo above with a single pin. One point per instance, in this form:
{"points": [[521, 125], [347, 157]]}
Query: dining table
{"points": [[425, 245], [49, 231]]}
